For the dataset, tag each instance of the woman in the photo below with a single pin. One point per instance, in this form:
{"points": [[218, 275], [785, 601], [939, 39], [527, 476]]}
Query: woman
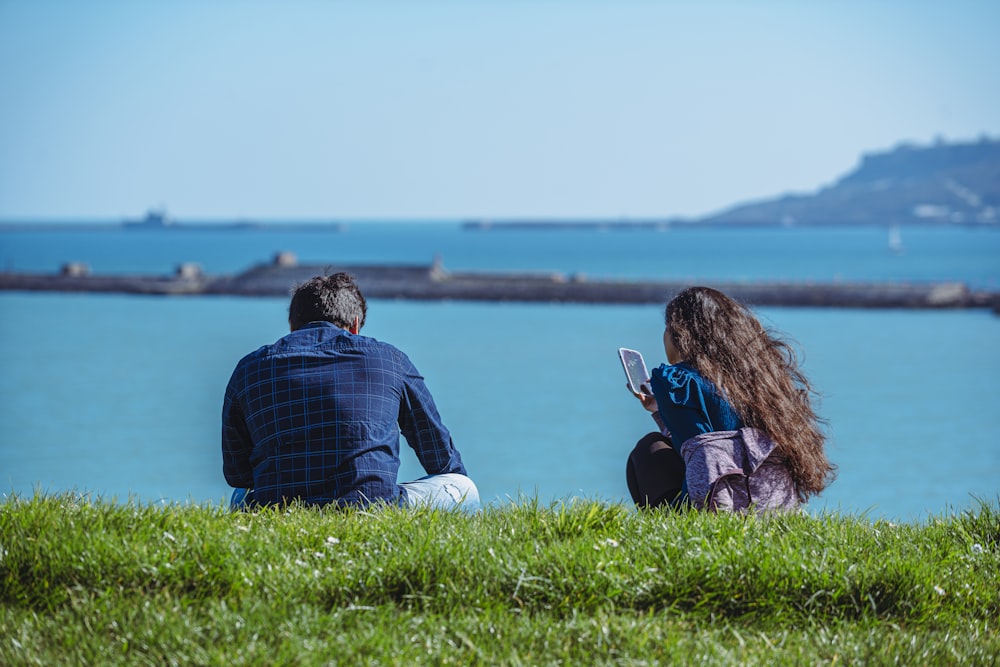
{"points": [[730, 378]]}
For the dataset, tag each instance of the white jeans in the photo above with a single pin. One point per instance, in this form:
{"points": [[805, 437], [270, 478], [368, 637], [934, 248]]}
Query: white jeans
{"points": [[445, 491]]}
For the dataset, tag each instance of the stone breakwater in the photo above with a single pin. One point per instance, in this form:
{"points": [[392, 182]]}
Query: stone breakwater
{"points": [[432, 282]]}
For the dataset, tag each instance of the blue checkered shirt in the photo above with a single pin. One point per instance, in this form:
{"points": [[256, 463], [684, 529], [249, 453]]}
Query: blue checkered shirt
{"points": [[317, 416]]}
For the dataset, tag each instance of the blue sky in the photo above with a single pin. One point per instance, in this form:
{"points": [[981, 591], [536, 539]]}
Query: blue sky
{"points": [[346, 110]]}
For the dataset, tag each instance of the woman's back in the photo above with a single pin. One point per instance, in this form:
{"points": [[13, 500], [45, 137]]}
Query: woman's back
{"points": [[728, 373]]}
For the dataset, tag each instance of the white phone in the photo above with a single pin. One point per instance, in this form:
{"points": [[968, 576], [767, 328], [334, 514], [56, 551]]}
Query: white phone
{"points": [[635, 370]]}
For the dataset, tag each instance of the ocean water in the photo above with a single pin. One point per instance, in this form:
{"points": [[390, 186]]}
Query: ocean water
{"points": [[120, 396], [839, 253]]}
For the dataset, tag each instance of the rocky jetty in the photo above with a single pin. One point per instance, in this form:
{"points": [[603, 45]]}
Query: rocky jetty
{"points": [[433, 282]]}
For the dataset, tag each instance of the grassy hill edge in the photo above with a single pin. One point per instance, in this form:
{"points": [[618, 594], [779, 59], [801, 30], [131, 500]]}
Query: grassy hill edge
{"points": [[91, 582]]}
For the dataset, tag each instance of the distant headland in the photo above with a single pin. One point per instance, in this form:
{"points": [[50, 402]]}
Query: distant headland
{"points": [[940, 184]]}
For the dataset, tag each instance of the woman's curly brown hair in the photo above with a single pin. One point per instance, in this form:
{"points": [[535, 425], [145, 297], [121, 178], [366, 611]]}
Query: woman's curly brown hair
{"points": [[758, 373]]}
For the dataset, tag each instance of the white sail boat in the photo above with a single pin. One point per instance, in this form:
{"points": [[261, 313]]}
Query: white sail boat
{"points": [[895, 240]]}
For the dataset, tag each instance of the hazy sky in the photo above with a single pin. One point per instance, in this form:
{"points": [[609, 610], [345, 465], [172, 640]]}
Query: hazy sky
{"points": [[410, 109]]}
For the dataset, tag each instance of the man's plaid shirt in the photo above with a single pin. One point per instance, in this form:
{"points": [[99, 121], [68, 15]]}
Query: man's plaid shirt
{"points": [[317, 416]]}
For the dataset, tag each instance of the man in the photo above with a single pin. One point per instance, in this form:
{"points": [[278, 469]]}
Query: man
{"points": [[317, 415]]}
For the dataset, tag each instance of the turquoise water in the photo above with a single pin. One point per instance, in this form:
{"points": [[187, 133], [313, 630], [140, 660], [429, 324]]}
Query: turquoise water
{"points": [[120, 396], [838, 253]]}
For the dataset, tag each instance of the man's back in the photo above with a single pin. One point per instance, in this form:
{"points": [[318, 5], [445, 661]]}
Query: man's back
{"points": [[316, 416]]}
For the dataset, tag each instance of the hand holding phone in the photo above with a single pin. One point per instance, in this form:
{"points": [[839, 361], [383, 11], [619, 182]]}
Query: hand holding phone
{"points": [[635, 371]]}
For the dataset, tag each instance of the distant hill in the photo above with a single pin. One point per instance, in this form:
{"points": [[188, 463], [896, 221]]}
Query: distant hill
{"points": [[938, 184]]}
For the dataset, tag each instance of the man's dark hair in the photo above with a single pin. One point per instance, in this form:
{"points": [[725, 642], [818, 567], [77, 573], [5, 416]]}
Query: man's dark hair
{"points": [[334, 298]]}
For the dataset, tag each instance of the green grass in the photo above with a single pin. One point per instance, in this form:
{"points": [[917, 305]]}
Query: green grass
{"points": [[92, 582]]}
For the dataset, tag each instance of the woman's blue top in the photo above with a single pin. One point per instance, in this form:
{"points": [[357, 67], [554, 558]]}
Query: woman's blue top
{"points": [[690, 405]]}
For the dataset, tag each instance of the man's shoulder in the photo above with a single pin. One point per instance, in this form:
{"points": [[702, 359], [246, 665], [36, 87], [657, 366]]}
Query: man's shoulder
{"points": [[372, 345], [321, 341], [261, 351], [328, 338]]}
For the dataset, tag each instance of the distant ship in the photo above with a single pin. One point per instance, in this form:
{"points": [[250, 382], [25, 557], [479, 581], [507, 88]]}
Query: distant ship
{"points": [[155, 219]]}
